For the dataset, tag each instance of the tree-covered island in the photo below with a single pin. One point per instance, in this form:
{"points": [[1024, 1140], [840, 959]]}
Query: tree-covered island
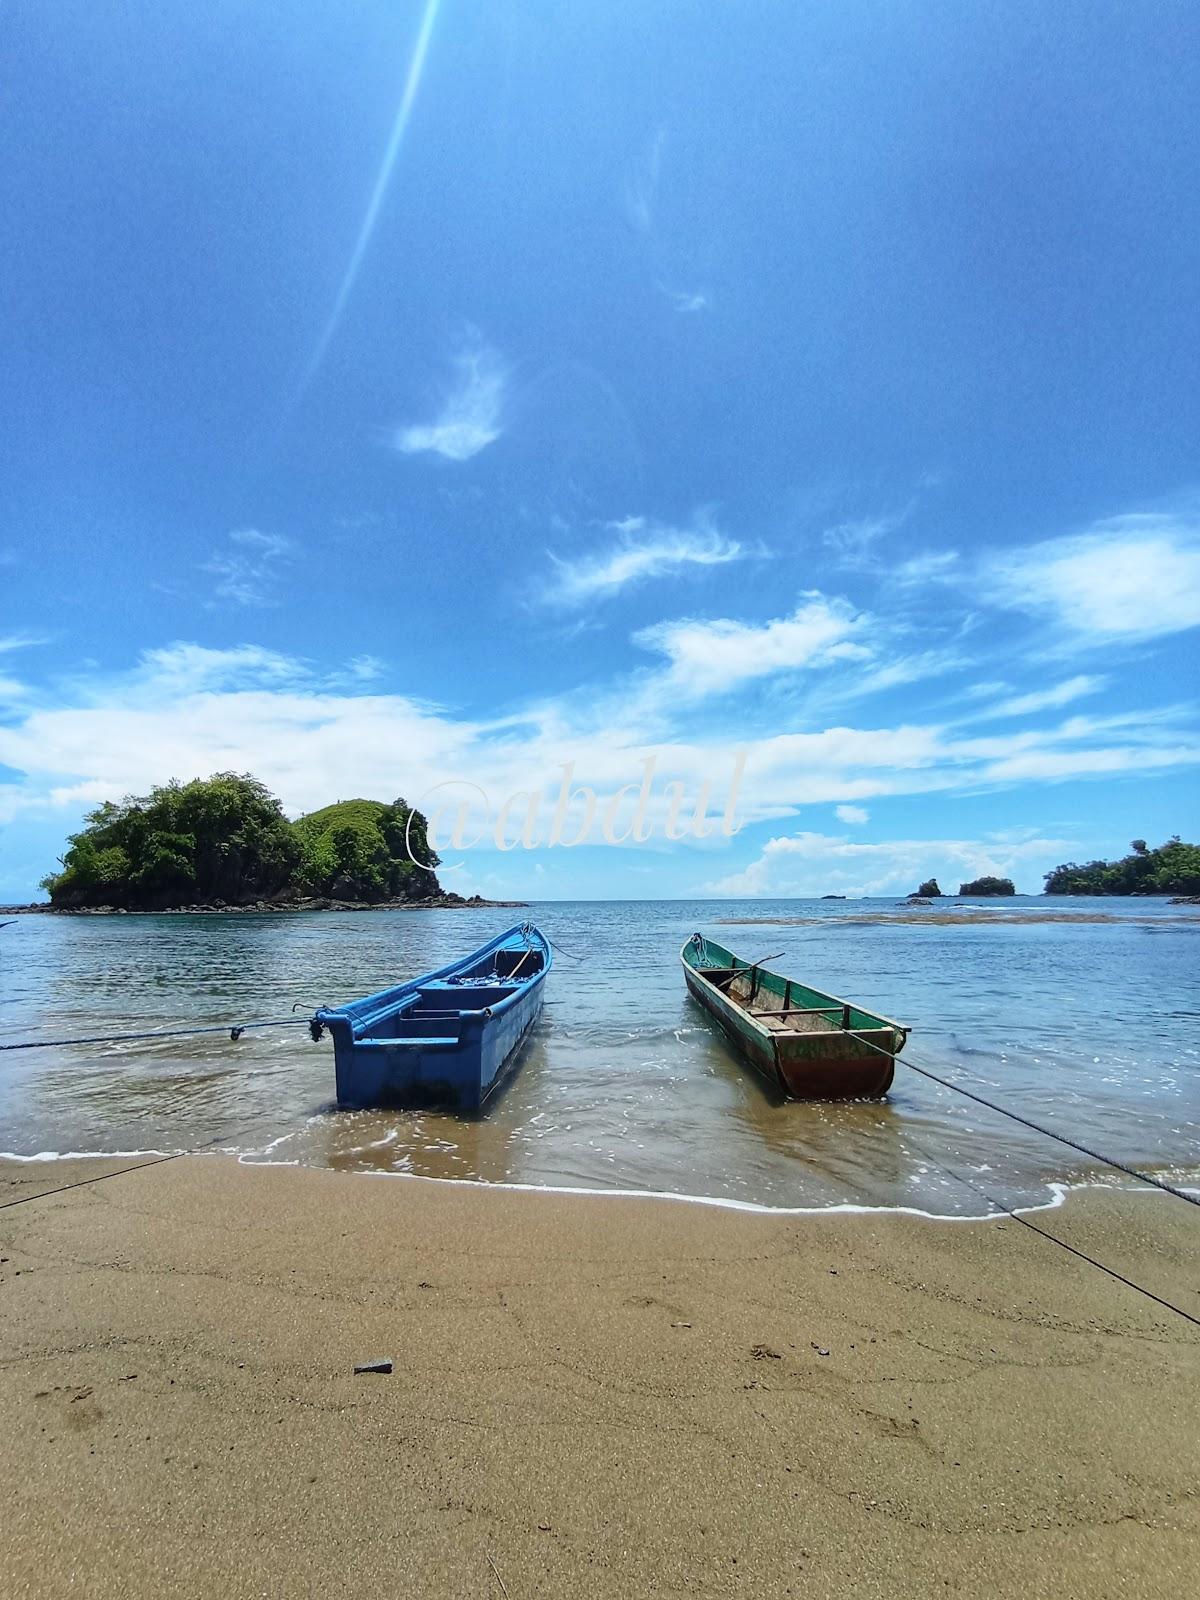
{"points": [[982, 887], [1173, 868], [224, 841]]}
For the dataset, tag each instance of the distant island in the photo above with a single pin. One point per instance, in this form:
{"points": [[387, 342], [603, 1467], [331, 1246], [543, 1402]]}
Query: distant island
{"points": [[1173, 868], [224, 843], [977, 887]]}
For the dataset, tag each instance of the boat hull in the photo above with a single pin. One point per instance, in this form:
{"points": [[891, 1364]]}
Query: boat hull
{"points": [[450, 1038], [831, 1062]]}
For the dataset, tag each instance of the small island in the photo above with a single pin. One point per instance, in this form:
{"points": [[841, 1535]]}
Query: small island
{"points": [[224, 844], [1173, 868], [977, 888]]}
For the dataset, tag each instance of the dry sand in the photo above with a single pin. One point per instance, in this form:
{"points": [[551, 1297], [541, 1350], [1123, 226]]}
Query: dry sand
{"points": [[591, 1396]]}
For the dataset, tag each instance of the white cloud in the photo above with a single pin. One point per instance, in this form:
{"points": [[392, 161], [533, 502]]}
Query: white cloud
{"points": [[643, 551], [932, 566], [1127, 578], [816, 863], [365, 669], [312, 734], [716, 656], [249, 574], [852, 814], [1061, 694], [641, 189], [853, 540], [469, 418], [187, 669], [685, 301]]}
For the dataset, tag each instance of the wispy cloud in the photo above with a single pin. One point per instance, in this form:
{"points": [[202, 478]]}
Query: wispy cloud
{"points": [[717, 656], [249, 574], [643, 550], [1061, 694], [687, 301], [932, 566], [1127, 578], [818, 863], [641, 189], [853, 541], [187, 669], [309, 734], [469, 418], [852, 814]]}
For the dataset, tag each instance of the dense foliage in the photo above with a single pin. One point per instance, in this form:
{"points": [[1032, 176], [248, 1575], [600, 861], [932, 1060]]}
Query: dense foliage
{"points": [[1173, 868], [225, 840], [365, 850], [929, 890], [982, 886]]}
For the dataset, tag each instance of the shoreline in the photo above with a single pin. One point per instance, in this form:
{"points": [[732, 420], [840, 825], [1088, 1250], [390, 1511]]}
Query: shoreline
{"points": [[1059, 1191], [594, 1400], [442, 902]]}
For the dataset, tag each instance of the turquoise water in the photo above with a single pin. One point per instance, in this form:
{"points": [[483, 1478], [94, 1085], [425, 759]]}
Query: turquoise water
{"points": [[1090, 1026]]}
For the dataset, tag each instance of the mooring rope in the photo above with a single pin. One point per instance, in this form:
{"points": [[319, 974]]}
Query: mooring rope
{"points": [[1050, 1133], [234, 1030], [559, 949], [119, 1172], [1038, 1127], [1053, 1238]]}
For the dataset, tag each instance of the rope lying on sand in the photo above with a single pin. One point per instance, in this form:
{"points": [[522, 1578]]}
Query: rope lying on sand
{"points": [[1037, 1127], [977, 1188], [136, 1166]]}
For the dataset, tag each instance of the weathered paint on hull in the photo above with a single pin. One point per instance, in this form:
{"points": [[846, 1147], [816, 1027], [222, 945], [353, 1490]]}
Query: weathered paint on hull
{"points": [[464, 1075], [450, 1037], [826, 1065]]}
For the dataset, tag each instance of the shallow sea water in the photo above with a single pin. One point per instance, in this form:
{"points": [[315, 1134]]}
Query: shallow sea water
{"points": [[1087, 1025]]}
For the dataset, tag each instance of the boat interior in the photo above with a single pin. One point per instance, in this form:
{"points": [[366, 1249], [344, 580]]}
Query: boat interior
{"points": [[794, 1010], [431, 1010]]}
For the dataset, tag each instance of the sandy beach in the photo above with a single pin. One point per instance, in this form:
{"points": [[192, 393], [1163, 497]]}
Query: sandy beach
{"points": [[590, 1396]]}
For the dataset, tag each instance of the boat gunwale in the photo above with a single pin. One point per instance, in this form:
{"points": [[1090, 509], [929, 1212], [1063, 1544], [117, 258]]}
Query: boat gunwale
{"points": [[886, 1024], [388, 999]]}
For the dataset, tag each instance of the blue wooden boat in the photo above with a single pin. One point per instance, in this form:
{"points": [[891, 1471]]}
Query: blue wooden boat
{"points": [[449, 1038]]}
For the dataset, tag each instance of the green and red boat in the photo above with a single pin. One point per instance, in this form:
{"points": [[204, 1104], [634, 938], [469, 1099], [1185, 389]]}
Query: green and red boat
{"points": [[808, 1044]]}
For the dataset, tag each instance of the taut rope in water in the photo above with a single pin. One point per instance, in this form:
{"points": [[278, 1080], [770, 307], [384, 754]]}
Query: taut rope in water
{"points": [[234, 1030], [1038, 1127]]}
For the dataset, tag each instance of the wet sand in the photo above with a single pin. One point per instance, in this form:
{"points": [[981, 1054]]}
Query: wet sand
{"points": [[590, 1396]]}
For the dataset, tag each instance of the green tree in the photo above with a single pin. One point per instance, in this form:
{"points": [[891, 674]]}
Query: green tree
{"points": [[225, 840], [1173, 868], [988, 886]]}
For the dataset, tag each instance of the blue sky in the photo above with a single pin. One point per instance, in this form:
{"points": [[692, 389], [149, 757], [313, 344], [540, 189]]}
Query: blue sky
{"points": [[403, 395]]}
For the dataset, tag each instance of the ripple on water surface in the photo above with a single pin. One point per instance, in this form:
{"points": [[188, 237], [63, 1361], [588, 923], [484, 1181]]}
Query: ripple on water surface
{"points": [[1083, 1024]]}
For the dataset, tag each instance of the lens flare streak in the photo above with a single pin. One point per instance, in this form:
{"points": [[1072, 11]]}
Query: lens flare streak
{"points": [[412, 86]]}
